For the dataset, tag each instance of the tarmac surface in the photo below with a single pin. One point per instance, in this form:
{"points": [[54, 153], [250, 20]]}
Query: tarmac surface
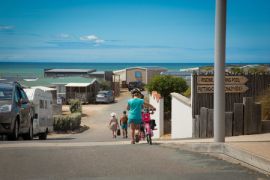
{"points": [[94, 154]]}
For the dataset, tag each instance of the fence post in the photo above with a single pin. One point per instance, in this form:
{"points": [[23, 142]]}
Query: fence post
{"points": [[203, 122], [250, 127], [197, 124], [228, 123], [258, 116], [210, 123], [238, 119]]}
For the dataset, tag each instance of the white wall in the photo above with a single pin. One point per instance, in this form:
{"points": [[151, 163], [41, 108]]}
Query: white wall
{"points": [[158, 103], [181, 117]]}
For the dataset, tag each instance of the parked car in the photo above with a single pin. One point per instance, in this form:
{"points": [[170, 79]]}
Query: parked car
{"points": [[15, 112], [135, 84], [105, 97], [42, 110]]}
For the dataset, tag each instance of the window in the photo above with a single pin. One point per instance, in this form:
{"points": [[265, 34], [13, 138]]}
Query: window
{"points": [[46, 105], [138, 74], [5, 93]]}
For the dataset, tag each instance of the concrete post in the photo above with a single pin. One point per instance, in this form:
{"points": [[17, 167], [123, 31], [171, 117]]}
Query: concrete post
{"points": [[219, 76]]}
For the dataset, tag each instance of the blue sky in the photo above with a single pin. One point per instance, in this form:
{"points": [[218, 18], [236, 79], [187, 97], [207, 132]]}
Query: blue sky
{"points": [[131, 30]]}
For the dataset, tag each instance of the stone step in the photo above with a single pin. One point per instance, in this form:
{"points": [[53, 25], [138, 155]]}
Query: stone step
{"points": [[265, 126]]}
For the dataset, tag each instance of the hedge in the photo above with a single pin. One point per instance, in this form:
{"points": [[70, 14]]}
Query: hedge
{"points": [[67, 122]]}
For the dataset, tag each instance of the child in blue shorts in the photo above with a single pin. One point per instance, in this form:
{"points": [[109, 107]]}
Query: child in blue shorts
{"points": [[124, 124]]}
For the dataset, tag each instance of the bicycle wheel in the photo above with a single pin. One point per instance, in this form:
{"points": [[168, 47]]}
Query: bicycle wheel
{"points": [[147, 138], [150, 140]]}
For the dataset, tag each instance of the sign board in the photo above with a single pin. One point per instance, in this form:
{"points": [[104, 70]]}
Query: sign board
{"points": [[228, 88], [228, 80]]}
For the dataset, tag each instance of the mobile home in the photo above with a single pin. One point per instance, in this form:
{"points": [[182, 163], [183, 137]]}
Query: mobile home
{"points": [[42, 111]]}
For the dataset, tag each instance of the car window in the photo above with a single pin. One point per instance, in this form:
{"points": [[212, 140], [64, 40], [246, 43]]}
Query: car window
{"points": [[23, 95], [5, 93], [17, 94]]}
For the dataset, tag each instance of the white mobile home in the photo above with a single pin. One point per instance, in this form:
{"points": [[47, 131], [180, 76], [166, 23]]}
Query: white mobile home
{"points": [[42, 110], [141, 74]]}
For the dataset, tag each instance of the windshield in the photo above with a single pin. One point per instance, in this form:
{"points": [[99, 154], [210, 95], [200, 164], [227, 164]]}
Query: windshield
{"points": [[5, 93]]}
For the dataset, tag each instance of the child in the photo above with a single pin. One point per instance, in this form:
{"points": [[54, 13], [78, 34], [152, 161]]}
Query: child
{"points": [[123, 123], [113, 124], [146, 119]]}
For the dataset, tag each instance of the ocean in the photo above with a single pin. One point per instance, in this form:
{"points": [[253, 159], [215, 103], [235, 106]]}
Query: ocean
{"points": [[37, 68]]}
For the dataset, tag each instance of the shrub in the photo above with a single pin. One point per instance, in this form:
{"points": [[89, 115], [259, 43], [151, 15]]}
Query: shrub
{"points": [[75, 106], [165, 85], [67, 122], [105, 85]]}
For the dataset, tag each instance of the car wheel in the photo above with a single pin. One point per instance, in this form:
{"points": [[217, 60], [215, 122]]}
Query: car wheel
{"points": [[15, 134], [43, 136], [29, 135]]}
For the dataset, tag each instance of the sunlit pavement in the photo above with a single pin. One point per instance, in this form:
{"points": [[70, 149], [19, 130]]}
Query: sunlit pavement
{"points": [[95, 155]]}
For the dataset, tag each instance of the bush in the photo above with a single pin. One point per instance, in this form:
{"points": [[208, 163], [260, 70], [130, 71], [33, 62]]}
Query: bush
{"points": [[67, 122], [165, 85], [75, 106], [105, 85]]}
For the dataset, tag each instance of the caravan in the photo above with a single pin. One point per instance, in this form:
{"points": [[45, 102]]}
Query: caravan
{"points": [[42, 111]]}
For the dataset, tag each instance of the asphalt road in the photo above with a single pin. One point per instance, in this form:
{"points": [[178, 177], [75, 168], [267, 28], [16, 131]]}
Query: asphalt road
{"points": [[95, 155], [137, 162]]}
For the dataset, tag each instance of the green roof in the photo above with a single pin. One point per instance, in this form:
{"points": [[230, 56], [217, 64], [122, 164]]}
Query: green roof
{"points": [[48, 82]]}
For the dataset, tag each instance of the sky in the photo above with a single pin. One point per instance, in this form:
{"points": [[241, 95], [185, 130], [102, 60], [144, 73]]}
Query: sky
{"points": [[180, 31]]}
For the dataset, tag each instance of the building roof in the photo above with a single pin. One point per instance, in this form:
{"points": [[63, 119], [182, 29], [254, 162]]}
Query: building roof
{"points": [[142, 67], [148, 67], [70, 70], [176, 73], [43, 88], [78, 84], [97, 73], [49, 82]]}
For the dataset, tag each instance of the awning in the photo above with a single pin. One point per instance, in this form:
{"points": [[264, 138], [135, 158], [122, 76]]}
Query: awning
{"points": [[78, 84]]}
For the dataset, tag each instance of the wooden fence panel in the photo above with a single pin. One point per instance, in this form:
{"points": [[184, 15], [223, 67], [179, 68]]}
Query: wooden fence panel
{"points": [[238, 120]]}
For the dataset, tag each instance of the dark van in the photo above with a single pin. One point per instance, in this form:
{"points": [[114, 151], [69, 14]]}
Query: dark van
{"points": [[15, 112]]}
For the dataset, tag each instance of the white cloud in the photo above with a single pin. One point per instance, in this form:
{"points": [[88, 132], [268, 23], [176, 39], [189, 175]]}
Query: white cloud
{"points": [[6, 27], [92, 38]]}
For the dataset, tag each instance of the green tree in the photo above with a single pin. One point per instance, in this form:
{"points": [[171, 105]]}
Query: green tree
{"points": [[105, 85], [165, 85]]}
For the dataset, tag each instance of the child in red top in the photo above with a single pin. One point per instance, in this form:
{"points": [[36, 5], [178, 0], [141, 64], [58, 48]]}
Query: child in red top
{"points": [[146, 116]]}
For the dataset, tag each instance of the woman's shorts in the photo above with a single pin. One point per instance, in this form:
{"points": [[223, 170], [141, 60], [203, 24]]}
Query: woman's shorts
{"points": [[124, 126], [135, 121]]}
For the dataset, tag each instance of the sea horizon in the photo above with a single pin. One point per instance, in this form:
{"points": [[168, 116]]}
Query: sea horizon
{"points": [[37, 68]]}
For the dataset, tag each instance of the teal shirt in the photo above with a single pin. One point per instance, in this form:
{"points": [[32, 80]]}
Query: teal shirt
{"points": [[135, 108]]}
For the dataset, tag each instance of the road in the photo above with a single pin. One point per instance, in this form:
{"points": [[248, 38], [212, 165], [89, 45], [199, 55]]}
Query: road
{"points": [[95, 155]]}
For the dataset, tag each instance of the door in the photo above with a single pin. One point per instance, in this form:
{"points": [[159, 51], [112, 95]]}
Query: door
{"points": [[25, 110]]}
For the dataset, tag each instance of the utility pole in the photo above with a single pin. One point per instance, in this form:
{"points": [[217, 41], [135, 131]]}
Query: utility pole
{"points": [[219, 76]]}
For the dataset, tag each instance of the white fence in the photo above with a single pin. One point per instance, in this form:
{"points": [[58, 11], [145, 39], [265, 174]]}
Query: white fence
{"points": [[181, 117], [158, 103]]}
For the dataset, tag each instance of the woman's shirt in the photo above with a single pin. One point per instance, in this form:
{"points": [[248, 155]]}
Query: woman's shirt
{"points": [[135, 108]]}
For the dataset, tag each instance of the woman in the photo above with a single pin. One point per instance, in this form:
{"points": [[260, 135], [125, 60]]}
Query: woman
{"points": [[135, 106]]}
